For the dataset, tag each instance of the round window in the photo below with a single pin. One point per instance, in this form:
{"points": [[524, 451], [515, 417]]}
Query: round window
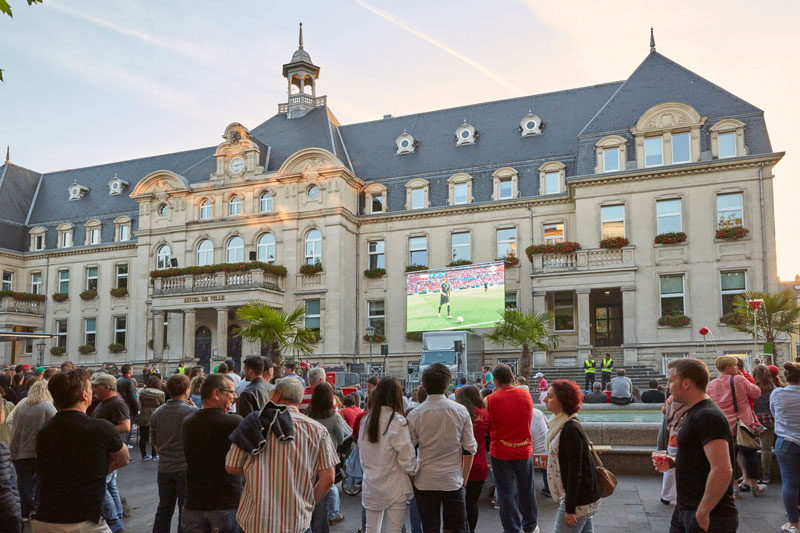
{"points": [[163, 210], [404, 143], [465, 134], [313, 191], [530, 125]]}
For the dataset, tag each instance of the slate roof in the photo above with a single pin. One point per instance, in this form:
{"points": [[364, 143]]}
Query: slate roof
{"points": [[573, 120]]}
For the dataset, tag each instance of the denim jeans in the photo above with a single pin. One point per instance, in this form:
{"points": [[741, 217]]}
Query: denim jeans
{"points": [[27, 483], [584, 524], [788, 454], [171, 487], [449, 505], [333, 503], [414, 517], [684, 522], [210, 521], [510, 475], [319, 518], [112, 505]]}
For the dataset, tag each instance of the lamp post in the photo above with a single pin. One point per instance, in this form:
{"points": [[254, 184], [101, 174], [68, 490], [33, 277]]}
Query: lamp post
{"points": [[41, 346], [370, 334], [754, 305], [704, 331]]}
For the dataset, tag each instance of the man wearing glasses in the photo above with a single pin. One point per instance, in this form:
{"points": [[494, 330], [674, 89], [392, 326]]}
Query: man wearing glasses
{"points": [[212, 495]]}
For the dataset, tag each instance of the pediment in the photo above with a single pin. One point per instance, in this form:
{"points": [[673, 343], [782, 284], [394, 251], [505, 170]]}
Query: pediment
{"points": [[309, 164], [160, 184]]}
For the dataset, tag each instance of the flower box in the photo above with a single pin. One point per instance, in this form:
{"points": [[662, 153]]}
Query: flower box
{"points": [[510, 260], [23, 296], [414, 336], [60, 297], [415, 268], [57, 350], [674, 321], [613, 242], [673, 237], [116, 348], [269, 268], [377, 338], [732, 319], [119, 292], [310, 270], [733, 233], [86, 349], [375, 273], [460, 262], [565, 247], [89, 294]]}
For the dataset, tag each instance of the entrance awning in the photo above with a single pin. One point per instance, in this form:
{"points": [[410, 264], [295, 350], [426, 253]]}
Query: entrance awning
{"points": [[13, 336]]}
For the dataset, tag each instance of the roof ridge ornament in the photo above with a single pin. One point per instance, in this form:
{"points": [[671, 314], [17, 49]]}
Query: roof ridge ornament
{"points": [[301, 36], [8, 153], [652, 41]]}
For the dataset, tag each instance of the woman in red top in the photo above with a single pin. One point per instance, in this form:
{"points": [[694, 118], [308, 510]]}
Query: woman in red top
{"points": [[470, 397]]}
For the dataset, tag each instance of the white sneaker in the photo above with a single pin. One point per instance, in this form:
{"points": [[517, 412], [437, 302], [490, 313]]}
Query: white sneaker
{"points": [[789, 529], [146, 458]]}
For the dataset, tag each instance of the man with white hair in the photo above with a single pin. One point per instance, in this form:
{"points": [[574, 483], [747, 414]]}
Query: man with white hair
{"points": [[315, 377], [285, 480]]}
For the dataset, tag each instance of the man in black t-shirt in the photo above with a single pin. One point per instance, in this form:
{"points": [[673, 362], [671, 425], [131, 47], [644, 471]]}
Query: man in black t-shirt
{"points": [[703, 466], [74, 453], [653, 395], [212, 495], [114, 409]]}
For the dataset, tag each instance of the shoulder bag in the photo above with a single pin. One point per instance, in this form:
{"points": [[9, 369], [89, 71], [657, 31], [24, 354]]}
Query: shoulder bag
{"points": [[744, 436], [607, 480]]}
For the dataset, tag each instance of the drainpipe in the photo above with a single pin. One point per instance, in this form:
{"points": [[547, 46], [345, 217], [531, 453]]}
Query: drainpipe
{"points": [[530, 218], [763, 227], [358, 288], [45, 281]]}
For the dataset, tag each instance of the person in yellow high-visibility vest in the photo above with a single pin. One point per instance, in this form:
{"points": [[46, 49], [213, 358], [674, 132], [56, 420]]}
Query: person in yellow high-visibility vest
{"points": [[588, 368], [606, 370]]}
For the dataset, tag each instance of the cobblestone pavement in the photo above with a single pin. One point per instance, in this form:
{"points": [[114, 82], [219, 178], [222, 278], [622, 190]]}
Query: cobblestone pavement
{"points": [[633, 508]]}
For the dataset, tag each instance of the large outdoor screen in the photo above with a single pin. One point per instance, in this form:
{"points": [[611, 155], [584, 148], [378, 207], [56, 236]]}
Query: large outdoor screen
{"points": [[471, 296]]}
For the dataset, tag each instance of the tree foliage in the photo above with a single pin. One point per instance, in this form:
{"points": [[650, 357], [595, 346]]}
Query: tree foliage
{"points": [[282, 331], [778, 314], [527, 330], [5, 8]]}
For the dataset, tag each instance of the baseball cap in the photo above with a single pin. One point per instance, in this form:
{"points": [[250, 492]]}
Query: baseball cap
{"points": [[101, 378], [773, 370], [538, 375], [26, 367], [39, 369]]}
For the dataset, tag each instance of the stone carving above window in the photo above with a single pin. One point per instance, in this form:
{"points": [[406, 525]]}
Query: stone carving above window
{"points": [[116, 185], [77, 191]]}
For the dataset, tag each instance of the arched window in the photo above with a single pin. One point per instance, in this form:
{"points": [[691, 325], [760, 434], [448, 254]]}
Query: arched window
{"points": [[235, 250], [205, 253], [266, 248], [205, 209], [162, 257], [266, 202], [235, 207], [313, 247]]}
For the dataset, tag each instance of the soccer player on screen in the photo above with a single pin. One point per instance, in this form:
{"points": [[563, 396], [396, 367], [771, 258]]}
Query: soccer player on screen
{"points": [[444, 297]]}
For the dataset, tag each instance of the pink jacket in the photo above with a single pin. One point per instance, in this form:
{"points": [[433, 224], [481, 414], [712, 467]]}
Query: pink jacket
{"points": [[720, 391]]}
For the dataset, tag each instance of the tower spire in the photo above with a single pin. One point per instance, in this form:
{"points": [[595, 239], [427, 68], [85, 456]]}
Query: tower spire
{"points": [[8, 154], [301, 36], [652, 41]]}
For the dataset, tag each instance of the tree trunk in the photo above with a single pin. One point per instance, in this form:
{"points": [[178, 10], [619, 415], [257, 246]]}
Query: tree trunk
{"points": [[277, 358], [525, 363]]}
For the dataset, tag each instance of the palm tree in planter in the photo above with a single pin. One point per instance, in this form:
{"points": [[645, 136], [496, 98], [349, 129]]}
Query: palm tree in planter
{"points": [[282, 331], [527, 330], [778, 314]]}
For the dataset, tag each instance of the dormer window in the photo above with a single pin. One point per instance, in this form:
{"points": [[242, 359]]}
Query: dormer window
{"points": [[727, 145], [727, 139], [93, 228], [653, 151], [64, 235], [417, 194], [610, 154], [552, 178], [375, 199], [460, 186], [406, 143], [667, 134], [76, 191], [466, 134], [122, 229], [530, 125], [37, 238], [505, 185], [116, 185]]}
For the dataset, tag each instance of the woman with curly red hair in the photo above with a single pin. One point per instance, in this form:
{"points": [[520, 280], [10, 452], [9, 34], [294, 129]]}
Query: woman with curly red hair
{"points": [[570, 465]]}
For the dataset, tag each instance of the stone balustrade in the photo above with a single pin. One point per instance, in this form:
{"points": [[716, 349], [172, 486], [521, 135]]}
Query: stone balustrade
{"points": [[584, 260], [25, 307], [217, 281]]}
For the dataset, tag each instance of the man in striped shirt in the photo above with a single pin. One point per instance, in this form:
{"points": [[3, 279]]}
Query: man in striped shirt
{"points": [[286, 479]]}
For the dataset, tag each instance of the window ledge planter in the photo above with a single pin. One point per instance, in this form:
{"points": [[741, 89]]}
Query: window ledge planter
{"points": [[375, 273], [116, 348], [670, 238], [120, 292], [23, 296], [613, 243], [732, 319], [674, 321], [60, 297], [89, 295], [86, 349], [415, 268], [57, 350], [510, 260], [565, 247], [310, 270], [269, 268], [414, 336], [376, 339], [460, 262], [731, 234]]}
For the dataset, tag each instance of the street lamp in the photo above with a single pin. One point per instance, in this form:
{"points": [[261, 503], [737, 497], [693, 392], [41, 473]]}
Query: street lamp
{"points": [[370, 334], [41, 346], [754, 305]]}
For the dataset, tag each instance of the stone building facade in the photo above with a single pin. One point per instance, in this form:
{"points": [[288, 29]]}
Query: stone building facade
{"points": [[664, 152]]}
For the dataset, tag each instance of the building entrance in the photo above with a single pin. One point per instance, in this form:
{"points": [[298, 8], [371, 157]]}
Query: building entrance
{"points": [[202, 347], [607, 318]]}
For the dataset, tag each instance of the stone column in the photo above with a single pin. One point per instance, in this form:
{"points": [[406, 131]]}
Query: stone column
{"points": [[222, 333], [584, 326], [630, 352], [189, 321], [539, 306], [158, 336]]}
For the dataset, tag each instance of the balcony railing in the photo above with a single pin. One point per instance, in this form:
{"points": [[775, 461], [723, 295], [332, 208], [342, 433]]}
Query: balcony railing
{"points": [[217, 281], [584, 260], [26, 307], [303, 99]]}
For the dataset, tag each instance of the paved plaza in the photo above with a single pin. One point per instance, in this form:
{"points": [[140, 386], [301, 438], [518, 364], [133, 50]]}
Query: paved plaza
{"points": [[634, 507]]}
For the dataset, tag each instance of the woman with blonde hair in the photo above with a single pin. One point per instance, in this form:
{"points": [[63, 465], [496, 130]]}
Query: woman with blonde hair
{"points": [[194, 390], [27, 419]]}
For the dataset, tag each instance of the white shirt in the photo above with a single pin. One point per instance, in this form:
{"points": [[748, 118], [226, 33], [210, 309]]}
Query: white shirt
{"points": [[442, 429], [538, 432], [386, 463], [241, 386], [235, 377]]}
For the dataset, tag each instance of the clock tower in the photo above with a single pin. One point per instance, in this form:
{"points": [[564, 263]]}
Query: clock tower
{"points": [[239, 155]]}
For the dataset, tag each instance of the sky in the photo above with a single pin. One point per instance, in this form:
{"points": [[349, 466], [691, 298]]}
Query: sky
{"points": [[90, 81]]}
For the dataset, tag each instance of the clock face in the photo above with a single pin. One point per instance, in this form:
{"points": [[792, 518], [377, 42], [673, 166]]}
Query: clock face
{"points": [[313, 191], [236, 165]]}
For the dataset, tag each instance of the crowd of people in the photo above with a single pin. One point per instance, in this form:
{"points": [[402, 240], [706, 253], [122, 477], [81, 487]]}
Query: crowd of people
{"points": [[255, 453]]}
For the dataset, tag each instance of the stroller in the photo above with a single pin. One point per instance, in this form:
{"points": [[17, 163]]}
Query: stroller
{"points": [[349, 470]]}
